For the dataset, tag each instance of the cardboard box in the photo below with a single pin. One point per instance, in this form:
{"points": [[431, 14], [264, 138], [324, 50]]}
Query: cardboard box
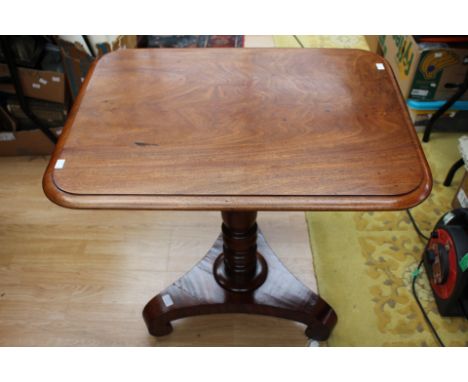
{"points": [[39, 84], [7, 123], [125, 42], [76, 63], [461, 196], [423, 71], [29, 142], [373, 42], [121, 42], [51, 114]]}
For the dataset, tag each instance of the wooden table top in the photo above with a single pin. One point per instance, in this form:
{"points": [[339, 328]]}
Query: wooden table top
{"points": [[252, 129]]}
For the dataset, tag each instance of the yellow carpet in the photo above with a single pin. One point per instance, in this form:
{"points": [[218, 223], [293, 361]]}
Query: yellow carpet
{"points": [[364, 260], [356, 42]]}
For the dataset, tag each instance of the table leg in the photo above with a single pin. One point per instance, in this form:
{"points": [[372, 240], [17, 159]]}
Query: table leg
{"points": [[240, 274]]}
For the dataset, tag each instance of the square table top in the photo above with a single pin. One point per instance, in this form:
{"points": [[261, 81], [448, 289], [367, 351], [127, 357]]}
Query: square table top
{"points": [[250, 129]]}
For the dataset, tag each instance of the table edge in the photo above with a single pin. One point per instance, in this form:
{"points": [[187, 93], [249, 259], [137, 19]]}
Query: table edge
{"points": [[227, 202], [231, 202]]}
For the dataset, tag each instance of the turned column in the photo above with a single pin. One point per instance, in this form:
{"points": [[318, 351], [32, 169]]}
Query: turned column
{"points": [[240, 268]]}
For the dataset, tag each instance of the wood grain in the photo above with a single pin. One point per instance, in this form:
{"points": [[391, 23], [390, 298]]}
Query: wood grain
{"points": [[247, 129], [280, 295], [81, 277]]}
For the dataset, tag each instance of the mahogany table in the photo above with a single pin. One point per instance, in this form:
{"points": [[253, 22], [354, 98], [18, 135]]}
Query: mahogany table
{"points": [[240, 131]]}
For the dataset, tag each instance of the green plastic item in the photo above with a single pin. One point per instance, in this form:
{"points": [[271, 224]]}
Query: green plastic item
{"points": [[417, 271], [464, 262]]}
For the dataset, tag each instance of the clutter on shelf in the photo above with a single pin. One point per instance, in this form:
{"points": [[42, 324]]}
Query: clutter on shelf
{"points": [[48, 72]]}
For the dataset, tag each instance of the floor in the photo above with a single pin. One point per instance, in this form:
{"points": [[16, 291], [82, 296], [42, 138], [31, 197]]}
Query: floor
{"points": [[81, 278], [259, 42], [374, 262], [78, 277]]}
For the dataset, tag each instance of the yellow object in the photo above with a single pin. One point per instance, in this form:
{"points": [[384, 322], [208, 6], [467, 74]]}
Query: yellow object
{"points": [[434, 62], [322, 41]]}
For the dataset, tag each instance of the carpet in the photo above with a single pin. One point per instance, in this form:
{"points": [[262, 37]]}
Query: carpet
{"points": [[321, 41], [194, 41], [364, 260]]}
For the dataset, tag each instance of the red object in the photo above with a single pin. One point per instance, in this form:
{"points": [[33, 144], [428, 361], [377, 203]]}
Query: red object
{"points": [[442, 39], [446, 289]]}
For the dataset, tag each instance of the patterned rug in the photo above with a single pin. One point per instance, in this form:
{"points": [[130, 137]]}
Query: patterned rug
{"points": [[320, 41], [364, 260], [193, 41]]}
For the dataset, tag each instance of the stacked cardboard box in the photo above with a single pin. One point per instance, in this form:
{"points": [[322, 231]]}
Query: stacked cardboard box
{"points": [[39, 84], [425, 71], [42, 80], [429, 70], [49, 92]]}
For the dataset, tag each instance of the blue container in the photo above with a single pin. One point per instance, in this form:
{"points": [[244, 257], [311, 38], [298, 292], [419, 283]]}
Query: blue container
{"points": [[435, 105], [454, 119]]}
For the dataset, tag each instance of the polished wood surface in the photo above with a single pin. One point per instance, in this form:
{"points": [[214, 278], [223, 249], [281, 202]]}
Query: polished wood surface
{"points": [[240, 274], [280, 294], [81, 277], [239, 130], [245, 129], [240, 265]]}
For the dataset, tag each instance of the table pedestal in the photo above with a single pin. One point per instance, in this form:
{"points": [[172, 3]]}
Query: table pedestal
{"points": [[240, 274]]}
